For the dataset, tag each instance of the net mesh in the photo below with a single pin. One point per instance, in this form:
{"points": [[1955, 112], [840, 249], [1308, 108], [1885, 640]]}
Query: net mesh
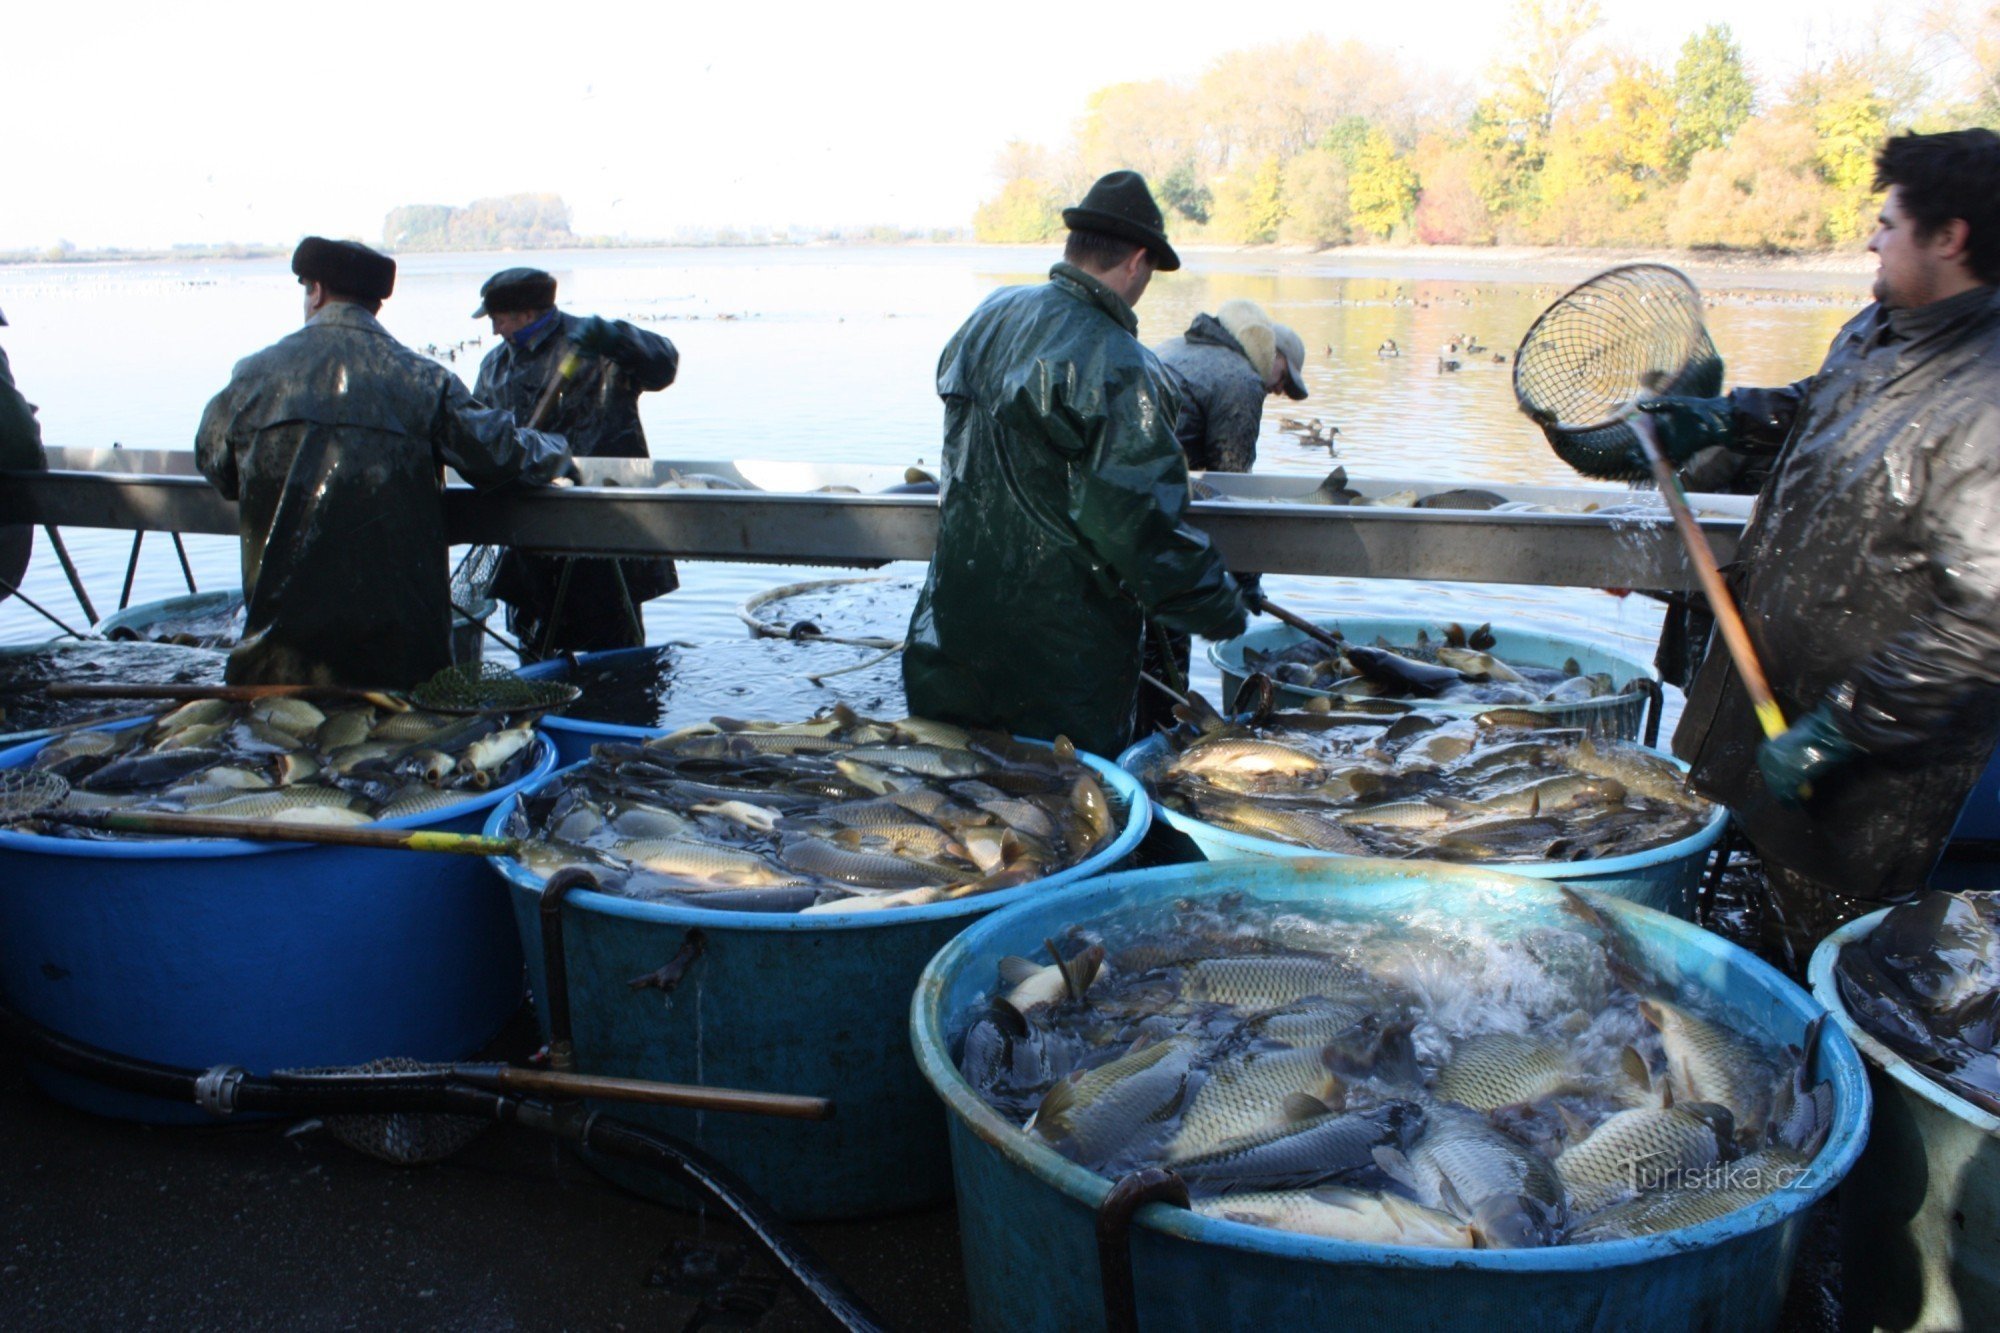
{"points": [[1633, 330], [25, 792], [407, 1138], [488, 687], [472, 581]]}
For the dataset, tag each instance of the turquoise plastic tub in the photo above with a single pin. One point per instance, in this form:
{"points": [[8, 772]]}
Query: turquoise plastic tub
{"points": [[777, 1003], [1920, 1216], [1621, 715], [1026, 1213], [265, 955], [1665, 878]]}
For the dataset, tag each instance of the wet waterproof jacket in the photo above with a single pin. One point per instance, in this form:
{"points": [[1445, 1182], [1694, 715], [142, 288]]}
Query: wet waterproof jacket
{"points": [[331, 441], [597, 411], [1062, 521], [1222, 397], [1869, 577], [20, 432]]}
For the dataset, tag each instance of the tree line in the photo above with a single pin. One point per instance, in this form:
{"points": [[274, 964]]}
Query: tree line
{"points": [[1568, 140]]}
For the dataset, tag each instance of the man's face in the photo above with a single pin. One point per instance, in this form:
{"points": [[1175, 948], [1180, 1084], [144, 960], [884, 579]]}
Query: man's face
{"points": [[312, 292], [1909, 270], [513, 321]]}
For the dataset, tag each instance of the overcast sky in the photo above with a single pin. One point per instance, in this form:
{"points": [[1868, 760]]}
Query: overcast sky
{"points": [[262, 122]]}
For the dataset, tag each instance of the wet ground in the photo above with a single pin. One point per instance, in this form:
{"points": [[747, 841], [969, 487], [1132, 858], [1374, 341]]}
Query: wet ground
{"points": [[108, 1225]]}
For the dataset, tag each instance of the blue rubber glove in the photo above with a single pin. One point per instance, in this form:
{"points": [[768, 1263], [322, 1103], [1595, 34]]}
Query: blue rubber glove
{"points": [[1811, 748], [596, 336], [1686, 426]]}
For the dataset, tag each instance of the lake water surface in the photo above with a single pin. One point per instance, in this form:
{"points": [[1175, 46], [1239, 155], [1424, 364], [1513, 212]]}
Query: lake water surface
{"points": [[827, 355]]}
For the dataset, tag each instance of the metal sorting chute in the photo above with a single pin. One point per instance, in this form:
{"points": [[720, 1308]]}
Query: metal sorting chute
{"points": [[835, 514]]}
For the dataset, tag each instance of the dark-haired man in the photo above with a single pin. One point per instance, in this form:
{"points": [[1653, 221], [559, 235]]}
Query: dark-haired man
{"points": [[573, 603], [1062, 497], [1870, 573], [332, 441]]}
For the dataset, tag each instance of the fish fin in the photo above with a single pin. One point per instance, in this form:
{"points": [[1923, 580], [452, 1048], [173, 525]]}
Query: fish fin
{"points": [[845, 716], [1007, 1018], [1015, 969], [1454, 635], [1633, 1065], [1575, 1128], [1396, 1166], [1453, 1201], [1302, 1106], [1534, 804], [1482, 638], [1080, 971], [1571, 667], [1064, 749], [1055, 1106]]}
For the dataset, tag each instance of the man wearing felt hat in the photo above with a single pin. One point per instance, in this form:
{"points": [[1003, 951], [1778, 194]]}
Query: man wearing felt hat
{"points": [[332, 441], [1062, 497], [590, 371]]}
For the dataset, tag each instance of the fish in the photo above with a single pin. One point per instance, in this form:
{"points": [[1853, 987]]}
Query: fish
{"points": [[1469, 662], [1104, 1109], [1495, 1069], [1399, 814], [1269, 982], [1718, 1190], [1307, 828], [1245, 1095], [297, 718], [1343, 1214], [1393, 669], [1308, 1143], [1708, 1062], [1641, 1149], [1638, 770], [1231, 755], [701, 861], [828, 860], [1509, 1193], [1033, 987]]}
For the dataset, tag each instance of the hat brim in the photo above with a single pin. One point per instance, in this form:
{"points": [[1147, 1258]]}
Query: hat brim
{"points": [[1295, 387], [481, 312], [1089, 219]]}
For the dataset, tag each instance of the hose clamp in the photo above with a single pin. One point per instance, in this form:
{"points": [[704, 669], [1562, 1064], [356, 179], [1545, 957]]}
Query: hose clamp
{"points": [[215, 1090]]}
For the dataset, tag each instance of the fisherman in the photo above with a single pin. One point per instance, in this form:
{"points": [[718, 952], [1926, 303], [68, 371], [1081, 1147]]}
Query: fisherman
{"points": [[1063, 497], [1870, 574], [571, 603], [20, 432], [332, 441], [1224, 365]]}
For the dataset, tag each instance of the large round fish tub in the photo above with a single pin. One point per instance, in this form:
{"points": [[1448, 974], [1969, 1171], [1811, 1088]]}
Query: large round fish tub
{"points": [[777, 1002], [266, 955], [1920, 1217], [1621, 715], [1026, 1213], [142, 619], [1666, 878], [574, 736]]}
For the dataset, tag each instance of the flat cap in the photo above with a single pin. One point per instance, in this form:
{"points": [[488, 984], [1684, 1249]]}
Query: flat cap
{"points": [[516, 289], [347, 267]]}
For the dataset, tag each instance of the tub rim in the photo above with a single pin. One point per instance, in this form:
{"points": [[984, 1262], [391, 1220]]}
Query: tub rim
{"points": [[540, 767], [1140, 804], [1844, 1070], [1700, 840], [1905, 1072]]}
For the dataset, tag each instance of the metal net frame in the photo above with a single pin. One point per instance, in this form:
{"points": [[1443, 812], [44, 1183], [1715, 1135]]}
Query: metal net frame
{"points": [[1630, 331]]}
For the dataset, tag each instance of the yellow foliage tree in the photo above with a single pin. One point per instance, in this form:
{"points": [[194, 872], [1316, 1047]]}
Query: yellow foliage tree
{"points": [[1249, 204], [1762, 190], [1382, 187], [1316, 199], [1851, 126]]}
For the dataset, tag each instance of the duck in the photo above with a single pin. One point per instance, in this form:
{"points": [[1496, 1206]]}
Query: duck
{"points": [[1389, 348], [1447, 364]]}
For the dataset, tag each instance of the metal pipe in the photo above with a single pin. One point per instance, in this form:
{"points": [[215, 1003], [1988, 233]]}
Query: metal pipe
{"points": [[1655, 705], [187, 570], [1153, 1184], [131, 569], [1718, 866], [41, 610], [69, 568], [555, 963]]}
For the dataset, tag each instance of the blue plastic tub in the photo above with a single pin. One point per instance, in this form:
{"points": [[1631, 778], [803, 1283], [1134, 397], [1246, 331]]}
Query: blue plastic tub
{"points": [[264, 955], [1980, 817], [778, 1003], [1621, 715], [573, 737], [1920, 1216], [1667, 878], [1026, 1213]]}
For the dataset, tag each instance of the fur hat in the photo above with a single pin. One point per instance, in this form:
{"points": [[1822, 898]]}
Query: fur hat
{"points": [[347, 267], [516, 289]]}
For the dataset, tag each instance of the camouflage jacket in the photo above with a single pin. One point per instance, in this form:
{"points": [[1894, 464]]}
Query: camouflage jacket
{"points": [[1222, 397], [332, 441]]}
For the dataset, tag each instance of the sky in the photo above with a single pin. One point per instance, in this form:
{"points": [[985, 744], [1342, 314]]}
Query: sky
{"points": [[150, 126]]}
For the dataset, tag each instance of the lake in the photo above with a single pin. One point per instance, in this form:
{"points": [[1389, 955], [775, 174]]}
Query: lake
{"points": [[827, 354]]}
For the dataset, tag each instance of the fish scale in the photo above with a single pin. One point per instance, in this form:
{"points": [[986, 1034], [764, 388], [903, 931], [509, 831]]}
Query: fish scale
{"points": [[1706, 1062], [1338, 1214], [1246, 1095], [1104, 1109], [1495, 1069], [1635, 1146], [1331, 1146], [1268, 982]]}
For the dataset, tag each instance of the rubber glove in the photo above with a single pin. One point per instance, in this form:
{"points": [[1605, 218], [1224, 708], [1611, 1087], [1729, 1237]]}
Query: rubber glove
{"points": [[1810, 749], [596, 336], [1686, 426]]}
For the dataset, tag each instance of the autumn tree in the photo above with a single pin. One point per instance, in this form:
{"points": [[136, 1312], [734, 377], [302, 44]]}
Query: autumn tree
{"points": [[1249, 203], [1382, 189], [1713, 94]]}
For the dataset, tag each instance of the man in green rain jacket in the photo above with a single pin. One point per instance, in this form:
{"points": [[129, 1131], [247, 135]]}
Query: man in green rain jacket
{"points": [[333, 441], [1063, 499]]}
